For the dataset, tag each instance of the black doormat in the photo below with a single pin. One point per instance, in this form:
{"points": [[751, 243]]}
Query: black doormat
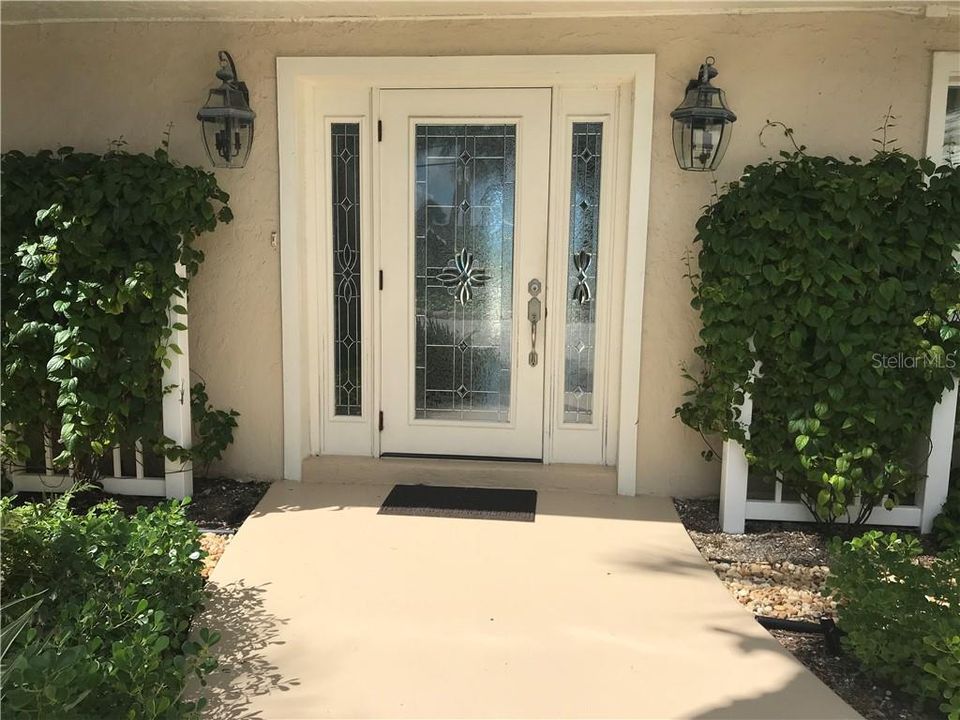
{"points": [[461, 502]]}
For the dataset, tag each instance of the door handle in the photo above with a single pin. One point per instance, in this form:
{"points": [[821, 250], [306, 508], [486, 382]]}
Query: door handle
{"points": [[533, 315]]}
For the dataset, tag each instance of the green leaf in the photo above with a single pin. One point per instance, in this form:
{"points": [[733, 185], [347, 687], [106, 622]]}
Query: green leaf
{"points": [[888, 288]]}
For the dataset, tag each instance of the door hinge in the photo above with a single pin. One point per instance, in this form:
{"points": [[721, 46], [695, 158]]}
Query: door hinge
{"points": [[379, 130], [381, 421], [381, 279]]}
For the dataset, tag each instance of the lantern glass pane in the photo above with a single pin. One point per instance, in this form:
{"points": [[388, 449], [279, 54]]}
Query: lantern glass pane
{"points": [[700, 143], [725, 131], [246, 143], [680, 144], [711, 97], [706, 136], [701, 146], [217, 98], [227, 141], [209, 131]]}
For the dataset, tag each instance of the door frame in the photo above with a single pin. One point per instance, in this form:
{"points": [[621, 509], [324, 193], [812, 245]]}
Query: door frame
{"points": [[347, 87]]}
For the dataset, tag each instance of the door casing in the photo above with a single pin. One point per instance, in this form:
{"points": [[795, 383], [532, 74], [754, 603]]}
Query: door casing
{"points": [[314, 92]]}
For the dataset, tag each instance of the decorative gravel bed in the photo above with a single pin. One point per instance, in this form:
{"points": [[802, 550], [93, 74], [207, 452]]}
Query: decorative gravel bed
{"points": [[780, 590], [214, 544], [777, 570]]}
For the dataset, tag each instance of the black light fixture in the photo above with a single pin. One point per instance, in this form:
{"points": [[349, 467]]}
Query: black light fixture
{"points": [[701, 123], [226, 119]]}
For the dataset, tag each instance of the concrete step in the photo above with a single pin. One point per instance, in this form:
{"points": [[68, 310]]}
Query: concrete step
{"points": [[347, 469]]}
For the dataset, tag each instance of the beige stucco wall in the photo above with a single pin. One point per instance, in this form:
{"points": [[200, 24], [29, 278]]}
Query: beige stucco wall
{"points": [[830, 76]]}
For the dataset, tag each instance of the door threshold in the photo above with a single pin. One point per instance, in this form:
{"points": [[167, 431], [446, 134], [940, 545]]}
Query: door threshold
{"points": [[472, 458], [352, 469]]}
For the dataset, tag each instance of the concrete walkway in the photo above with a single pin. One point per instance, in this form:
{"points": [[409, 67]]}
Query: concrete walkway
{"points": [[600, 608]]}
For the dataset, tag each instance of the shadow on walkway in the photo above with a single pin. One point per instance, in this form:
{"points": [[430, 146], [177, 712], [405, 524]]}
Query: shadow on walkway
{"points": [[247, 630], [784, 703]]}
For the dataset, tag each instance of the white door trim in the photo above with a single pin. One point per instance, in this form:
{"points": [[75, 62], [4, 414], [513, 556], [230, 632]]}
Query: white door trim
{"points": [[945, 72], [298, 80]]}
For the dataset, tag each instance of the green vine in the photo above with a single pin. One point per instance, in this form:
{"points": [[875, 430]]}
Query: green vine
{"points": [[838, 278], [212, 429], [89, 261]]}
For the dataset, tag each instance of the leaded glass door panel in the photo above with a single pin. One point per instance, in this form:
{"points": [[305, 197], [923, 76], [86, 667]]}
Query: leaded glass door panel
{"points": [[464, 231]]}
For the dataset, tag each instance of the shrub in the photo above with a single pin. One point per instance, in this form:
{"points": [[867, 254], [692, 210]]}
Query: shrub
{"points": [[946, 528], [109, 638], [90, 250], [838, 277], [901, 617]]}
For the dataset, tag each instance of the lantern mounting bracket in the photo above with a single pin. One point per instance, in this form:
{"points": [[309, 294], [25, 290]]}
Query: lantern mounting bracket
{"points": [[707, 73], [228, 74]]}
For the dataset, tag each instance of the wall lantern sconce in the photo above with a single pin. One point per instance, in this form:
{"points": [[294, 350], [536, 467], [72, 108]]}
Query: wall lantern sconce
{"points": [[701, 123], [226, 119]]}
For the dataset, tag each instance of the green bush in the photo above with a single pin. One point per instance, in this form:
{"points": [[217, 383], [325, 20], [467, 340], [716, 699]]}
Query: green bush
{"points": [[88, 265], [838, 277], [946, 528], [901, 617], [109, 638]]}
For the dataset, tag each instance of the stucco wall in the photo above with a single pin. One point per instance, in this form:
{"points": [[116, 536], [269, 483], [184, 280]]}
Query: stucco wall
{"points": [[830, 76]]}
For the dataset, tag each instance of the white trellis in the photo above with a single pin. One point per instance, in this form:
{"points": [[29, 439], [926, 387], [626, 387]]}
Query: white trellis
{"points": [[736, 507], [177, 481]]}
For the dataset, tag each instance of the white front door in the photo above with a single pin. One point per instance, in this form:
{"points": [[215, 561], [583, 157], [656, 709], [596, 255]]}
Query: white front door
{"points": [[464, 189]]}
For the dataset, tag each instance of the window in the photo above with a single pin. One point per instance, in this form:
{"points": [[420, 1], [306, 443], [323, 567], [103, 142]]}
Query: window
{"points": [[581, 306], [951, 129], [345, 183], [465, 185], [943, 129]]}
